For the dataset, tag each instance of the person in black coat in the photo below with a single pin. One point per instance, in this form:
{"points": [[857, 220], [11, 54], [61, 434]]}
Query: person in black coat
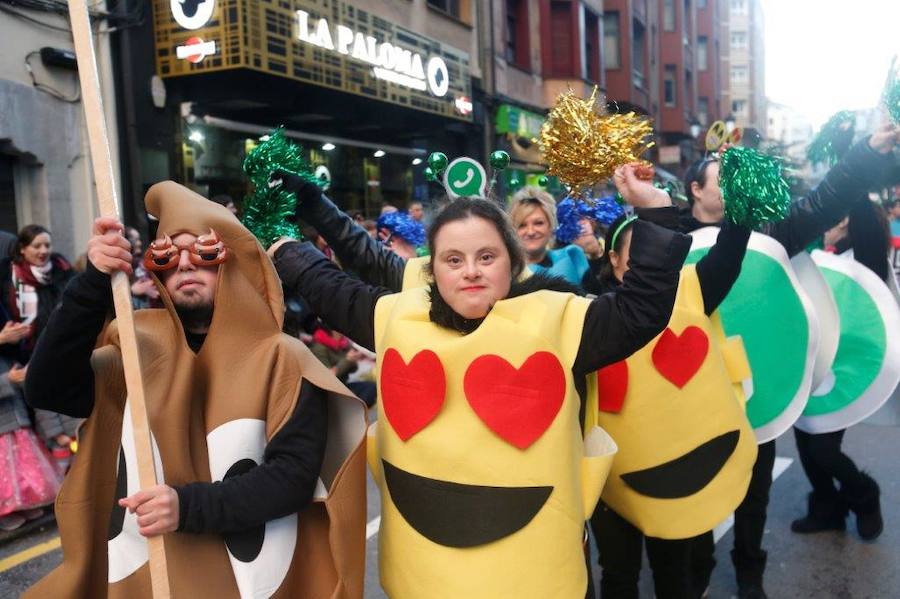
{"points": [[868, 236], [867, 164]]}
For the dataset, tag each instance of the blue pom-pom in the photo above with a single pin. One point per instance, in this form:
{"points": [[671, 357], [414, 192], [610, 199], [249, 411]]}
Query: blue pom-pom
{"points": [[570, 211], [402, 225]]}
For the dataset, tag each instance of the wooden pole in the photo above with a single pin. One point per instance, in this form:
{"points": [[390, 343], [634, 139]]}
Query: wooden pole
{"points": [[109, 206]]}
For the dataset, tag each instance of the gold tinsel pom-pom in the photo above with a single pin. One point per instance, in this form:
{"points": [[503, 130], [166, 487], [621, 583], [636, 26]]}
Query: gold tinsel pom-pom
{"points": [[583, 146]]}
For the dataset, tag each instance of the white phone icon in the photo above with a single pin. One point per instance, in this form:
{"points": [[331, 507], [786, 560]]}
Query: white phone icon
{"points": [[470, 174]]}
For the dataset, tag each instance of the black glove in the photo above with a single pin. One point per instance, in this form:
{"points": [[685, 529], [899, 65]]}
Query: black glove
{"points": [[305, 191]]}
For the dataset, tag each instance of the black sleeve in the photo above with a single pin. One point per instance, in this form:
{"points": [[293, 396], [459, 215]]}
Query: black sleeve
{"points": [[282, 484], [861, 169], [666, 216], [60, 377], [590, 282], [345, 303], [619, 323], [719, 269], [374, 263]]}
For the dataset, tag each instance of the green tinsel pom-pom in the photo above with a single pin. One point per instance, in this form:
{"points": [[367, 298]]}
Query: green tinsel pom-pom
{"points": [[892, 100], [753, 188], [266, 210], [833, 139]]}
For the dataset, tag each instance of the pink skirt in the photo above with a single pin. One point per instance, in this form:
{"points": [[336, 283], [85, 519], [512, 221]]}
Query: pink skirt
{"points": [[28, 476]]}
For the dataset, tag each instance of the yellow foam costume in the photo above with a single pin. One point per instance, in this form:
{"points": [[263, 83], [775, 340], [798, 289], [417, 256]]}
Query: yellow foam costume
{"points": [[485, 477], [676, 410]]}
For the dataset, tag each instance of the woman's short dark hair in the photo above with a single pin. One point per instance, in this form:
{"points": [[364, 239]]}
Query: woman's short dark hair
{"points": [[26, 236], [620, 225], [870, 236], [696, 173], [469, 207]]}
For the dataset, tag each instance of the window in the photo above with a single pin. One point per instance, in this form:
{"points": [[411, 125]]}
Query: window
{"points": [[668, 15], [670, 93], [455, 8], [701, 3], [739, 74], [612, 58], [702, 53], [592, 46], [639, 39], [738, 39], [739, 106], [688, 90], [561, 39], [8, 220], [517, 46], [738, 7], [703, 110]]}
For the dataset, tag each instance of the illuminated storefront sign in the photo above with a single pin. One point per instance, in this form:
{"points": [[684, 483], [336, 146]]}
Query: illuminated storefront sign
{"points": [[361, 53], [390, 62]]}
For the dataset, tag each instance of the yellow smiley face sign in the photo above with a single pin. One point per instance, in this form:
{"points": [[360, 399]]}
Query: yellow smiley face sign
{"points": [[676, 411]]}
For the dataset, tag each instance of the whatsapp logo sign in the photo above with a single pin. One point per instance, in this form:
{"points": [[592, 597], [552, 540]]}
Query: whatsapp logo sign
{"points": [[465, 177]]}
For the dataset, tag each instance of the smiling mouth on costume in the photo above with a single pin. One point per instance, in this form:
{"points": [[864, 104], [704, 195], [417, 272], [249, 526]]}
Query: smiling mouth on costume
{"points": [[458, 515], [687, 474]]}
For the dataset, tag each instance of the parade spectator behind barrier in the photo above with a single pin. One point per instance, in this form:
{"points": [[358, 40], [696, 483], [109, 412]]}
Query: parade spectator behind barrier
{"points": [[337, 353], [401, 233], [29, 480], [865, 232], [144, 293], [31, 285], [417, 212]]}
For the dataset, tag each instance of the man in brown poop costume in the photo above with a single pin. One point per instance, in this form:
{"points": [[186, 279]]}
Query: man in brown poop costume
{"points": [[258, 446]]}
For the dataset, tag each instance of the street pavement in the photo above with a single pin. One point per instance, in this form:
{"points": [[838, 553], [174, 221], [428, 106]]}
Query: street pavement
{"points": [[822, 566]]}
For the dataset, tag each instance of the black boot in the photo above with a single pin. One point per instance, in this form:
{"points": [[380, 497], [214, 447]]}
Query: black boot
{"points": [[823, 514], [864, 500]]}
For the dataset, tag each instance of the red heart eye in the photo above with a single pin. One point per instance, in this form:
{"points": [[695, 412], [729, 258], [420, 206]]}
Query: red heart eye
{"points": [[518, 404], [612, 385], [412, 394], [679, 357]]}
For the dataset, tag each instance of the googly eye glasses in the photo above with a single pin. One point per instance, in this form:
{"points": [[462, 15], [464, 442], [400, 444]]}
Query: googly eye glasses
{"points": [[207, 250]]}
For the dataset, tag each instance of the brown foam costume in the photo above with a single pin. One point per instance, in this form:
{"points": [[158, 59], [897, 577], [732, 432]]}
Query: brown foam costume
{"points": [[209, 413]]}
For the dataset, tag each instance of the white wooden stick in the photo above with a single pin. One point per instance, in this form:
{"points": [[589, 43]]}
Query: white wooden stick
{"points": [[106, 192]]}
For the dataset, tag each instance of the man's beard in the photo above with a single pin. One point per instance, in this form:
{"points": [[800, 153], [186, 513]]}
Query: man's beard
{"points": [[194, 315]]}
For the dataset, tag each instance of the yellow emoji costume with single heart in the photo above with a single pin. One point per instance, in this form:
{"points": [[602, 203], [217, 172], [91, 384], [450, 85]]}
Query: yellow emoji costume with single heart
{"points": [[676, 410], [485, 478]]}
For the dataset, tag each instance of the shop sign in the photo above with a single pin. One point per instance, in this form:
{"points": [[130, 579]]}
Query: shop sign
{"points": [[520, 122], [195, 50], [391, 63], [192, 14]]}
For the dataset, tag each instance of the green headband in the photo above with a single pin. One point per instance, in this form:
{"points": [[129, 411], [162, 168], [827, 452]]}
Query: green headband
{"points": [[625, 223]]}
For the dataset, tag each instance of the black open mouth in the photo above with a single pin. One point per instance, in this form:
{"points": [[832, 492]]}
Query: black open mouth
{"points": [[687, 474], [457, 515]]}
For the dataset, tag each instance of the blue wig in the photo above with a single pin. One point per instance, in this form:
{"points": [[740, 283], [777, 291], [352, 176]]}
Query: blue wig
{"points": [[402, 225], [570, 211]]}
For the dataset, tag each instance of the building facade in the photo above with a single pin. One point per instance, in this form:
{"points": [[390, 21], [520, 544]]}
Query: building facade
{"points": [[45, 170], [744, 92], [368, 87]]}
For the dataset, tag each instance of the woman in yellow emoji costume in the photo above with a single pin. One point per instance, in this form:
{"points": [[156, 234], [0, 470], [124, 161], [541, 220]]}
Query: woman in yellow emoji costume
{"points": [[485, 476]]}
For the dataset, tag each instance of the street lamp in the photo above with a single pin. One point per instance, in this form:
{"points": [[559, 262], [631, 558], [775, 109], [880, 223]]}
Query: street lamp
{"points": [[729, 123], [695, 127]]}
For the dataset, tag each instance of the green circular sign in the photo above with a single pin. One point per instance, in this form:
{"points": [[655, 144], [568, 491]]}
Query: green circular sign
{"points": [[769, 310], [867, 365], [465, 177]]}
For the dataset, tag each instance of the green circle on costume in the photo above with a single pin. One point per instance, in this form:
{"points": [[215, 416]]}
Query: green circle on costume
{"points": [[465, 177], [861, 349], [766, 309]]}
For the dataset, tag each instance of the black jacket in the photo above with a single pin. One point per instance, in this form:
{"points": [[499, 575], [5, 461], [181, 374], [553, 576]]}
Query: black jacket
{"points": [[60, 378], [861, 169]]}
